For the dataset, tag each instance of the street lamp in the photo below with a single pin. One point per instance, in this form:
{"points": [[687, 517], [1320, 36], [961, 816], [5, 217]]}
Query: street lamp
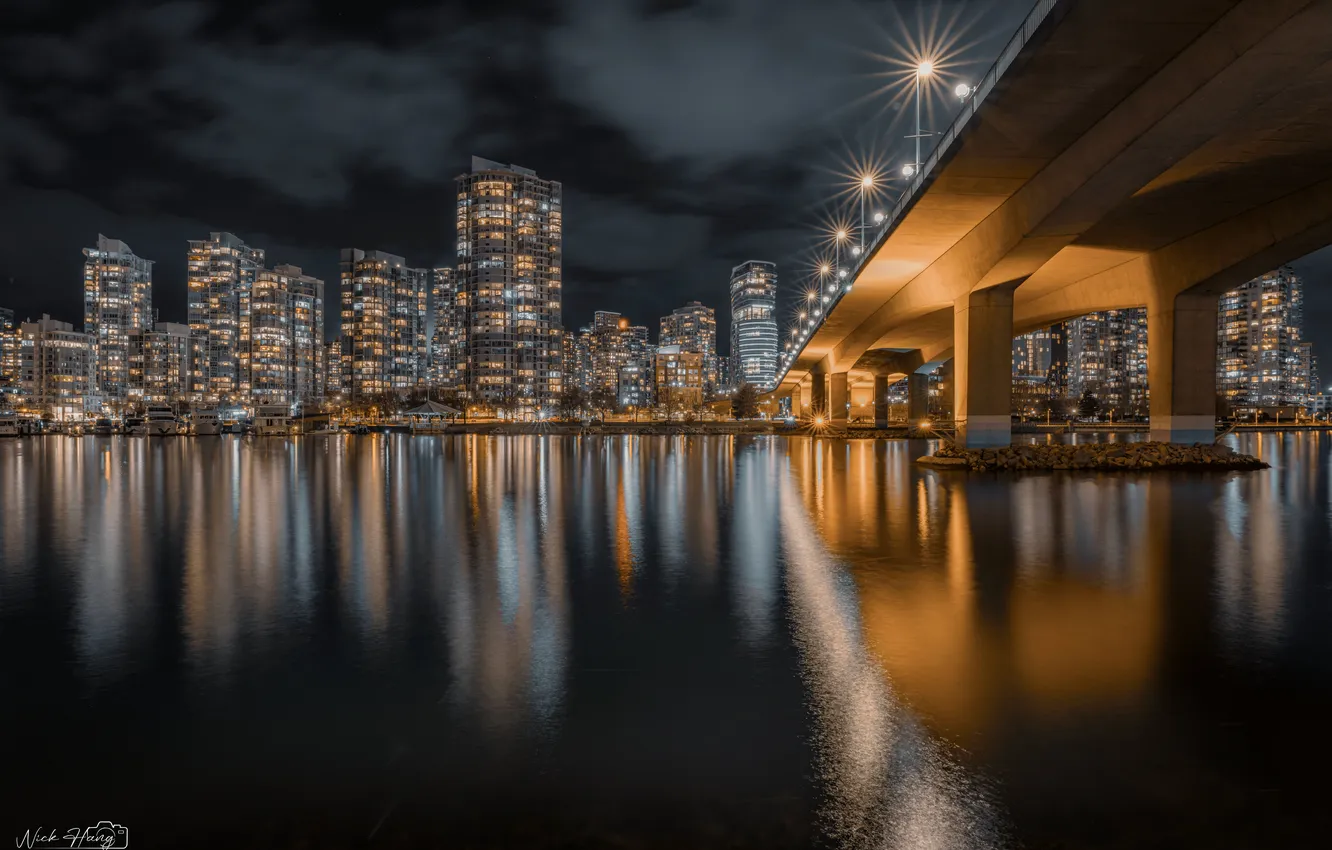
{"points": [[878, 218], [924, 69], [963, 91], [866, 184], [908, 170]]}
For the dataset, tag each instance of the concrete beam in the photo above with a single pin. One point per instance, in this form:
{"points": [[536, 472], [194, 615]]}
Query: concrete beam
{"points": [[984, 368]]}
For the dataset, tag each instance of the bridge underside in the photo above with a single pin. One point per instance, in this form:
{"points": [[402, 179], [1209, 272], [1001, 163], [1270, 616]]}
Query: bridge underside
{"points": [[1136, 154]]}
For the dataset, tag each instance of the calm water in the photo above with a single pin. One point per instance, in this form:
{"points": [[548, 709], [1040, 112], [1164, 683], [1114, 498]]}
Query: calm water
{"points": [[659, 642]]}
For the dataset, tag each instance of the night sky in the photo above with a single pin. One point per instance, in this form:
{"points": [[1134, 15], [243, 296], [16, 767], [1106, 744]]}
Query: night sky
{"points": [[689, 136]]}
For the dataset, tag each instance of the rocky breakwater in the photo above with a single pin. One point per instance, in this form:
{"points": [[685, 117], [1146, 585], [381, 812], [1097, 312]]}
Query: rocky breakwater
{"points": [[1112, 457]]}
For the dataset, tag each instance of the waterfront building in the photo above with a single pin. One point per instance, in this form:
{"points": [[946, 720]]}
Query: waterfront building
{"points": [[570, 365], [635, 384], [1107, 358], [117, 303], [679, 378], [220, 273], [9, 349], [58, 369], [448, 367], [286, 337], [159, 364], [754, 324], [1262, 359], [1031, 354], [509, 244], [605, 346], [1056, 377], [693, 327], [383, 324], [334, 385]]}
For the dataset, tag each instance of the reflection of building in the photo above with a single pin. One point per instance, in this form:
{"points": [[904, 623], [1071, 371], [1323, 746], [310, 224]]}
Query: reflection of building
{"points": [[447, 366], [383, 324], [510, 233], [221, 271], [117, 303], [754, 324], [1262, 359], [679, 378], [160, 364], [58, 369], [1107, 358], [693, 327]]}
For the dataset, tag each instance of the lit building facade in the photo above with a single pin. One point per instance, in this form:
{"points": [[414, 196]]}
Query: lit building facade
{"points": [[693, 327], [1107, 358], [754, 324], [510, 229], [220, 273], [117, 303], [58, 369], [383, 324], [286, 337], [334, 385], [9, 353], [679, 378], [447, 367], [160, 364], [1031, 354], [1262, 358]]}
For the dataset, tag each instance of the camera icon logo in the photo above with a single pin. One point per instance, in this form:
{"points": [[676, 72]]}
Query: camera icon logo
{"points": [[107, 836]]}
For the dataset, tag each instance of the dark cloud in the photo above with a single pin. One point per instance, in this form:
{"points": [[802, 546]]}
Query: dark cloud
{"points": [[690, 136]]}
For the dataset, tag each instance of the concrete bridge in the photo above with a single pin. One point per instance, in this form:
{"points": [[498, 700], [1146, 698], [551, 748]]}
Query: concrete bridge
{"points": [[1120, 153]]}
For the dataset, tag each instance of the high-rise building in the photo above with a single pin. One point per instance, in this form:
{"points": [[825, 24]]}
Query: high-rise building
{"points": [[1262, 358], [1031, 354], [221, 272], [1056, 378], [447, 367], [570, 361], [117, 303], [754, 324], [608, 345], [1107, 358], [510, 236], [58, 368], [693, 327], [286, 336], [334, 384], [679, 378], [159, 364], [9, 349], [383, 324]]}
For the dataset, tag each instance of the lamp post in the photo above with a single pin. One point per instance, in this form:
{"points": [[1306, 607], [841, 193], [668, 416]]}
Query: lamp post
{"points": [[866, 183], [924, 69]]}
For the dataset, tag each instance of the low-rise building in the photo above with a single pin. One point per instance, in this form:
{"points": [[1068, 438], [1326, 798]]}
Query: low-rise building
{"points": [[679, 379]]}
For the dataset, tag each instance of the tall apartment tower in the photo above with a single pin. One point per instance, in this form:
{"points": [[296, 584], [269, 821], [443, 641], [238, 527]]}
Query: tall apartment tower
{"points": [[693, 327], [58, 368], [117, 303], [9, 351], [221, 274], [383, 324], [510, 236], [1262, 358], [1107, 357], [160, 364], [447, 367], [754, 324], [286, 336]]}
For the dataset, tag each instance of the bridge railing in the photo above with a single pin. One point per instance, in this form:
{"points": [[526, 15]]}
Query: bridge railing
{"points": [[926, 175]]}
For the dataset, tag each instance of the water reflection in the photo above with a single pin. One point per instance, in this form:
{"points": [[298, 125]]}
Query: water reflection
{"points": [[919, 659]]}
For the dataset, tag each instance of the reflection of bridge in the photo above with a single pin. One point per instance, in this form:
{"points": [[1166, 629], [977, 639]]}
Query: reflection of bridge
{"points": [[1124, 153]]}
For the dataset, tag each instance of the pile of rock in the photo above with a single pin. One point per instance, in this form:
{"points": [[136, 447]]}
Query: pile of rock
{"points": [[1098, 456]]}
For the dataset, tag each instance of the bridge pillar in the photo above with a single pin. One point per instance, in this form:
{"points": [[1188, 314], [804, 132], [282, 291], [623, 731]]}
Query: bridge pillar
{"points": [[1181, 367], [818, 395], [796, 410], [881, 385], [918, 398], [840, 404], [983, 367]]}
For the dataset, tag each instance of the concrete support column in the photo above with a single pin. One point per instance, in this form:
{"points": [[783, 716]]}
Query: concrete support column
{"points": [[918, 398], [1181, 367], [983, 368], [881, 385], [840, 402], [818, 395], [796, 407]]}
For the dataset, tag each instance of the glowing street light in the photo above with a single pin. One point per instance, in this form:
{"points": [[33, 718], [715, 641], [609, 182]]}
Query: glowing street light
{"points": [[923, 70], [908, 170], [866, 184], [811, 295], [963, 91], [879, 217]]}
